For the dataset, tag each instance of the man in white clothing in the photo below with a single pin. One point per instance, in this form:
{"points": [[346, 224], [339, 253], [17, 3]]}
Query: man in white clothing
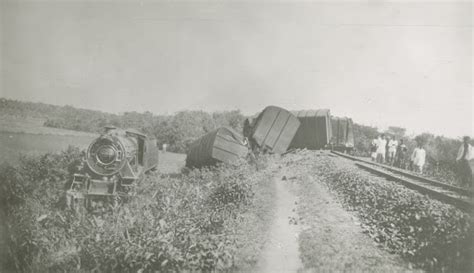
{"points": [[418, 158], [381, 143], [392, 150], [465, 155]]}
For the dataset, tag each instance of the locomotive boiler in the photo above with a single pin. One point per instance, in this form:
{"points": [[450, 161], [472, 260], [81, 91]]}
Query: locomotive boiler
{"points": [[112, 166]]}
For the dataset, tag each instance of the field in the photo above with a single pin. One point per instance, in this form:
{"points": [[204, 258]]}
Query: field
{"points": [[14, 144], [30, 125], [28, 136]]}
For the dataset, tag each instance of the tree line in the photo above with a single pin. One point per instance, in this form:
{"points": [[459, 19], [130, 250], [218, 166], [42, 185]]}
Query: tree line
{"points": [[178, 130], [182, 128]]}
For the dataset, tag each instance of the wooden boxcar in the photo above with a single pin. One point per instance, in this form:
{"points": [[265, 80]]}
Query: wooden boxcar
{"points": [[342, 134], [315, 130], [221, 145], [274, 129]]}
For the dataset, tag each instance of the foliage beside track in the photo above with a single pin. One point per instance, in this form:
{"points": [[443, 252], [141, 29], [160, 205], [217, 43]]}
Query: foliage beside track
{"points": [[203, 220], [433, 235]]}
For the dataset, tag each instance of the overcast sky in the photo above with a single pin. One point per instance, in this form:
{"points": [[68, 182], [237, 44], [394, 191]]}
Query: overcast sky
{"points": [[401, 63]]}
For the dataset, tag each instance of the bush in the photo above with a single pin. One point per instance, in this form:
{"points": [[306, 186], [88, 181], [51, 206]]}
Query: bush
{"points": [[193, 222], [29, 193], [429, 233], [363, 136]]}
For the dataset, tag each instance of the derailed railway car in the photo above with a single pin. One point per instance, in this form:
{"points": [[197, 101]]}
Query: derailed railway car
{"points": [[342, 134], [221, 145], [272, 130], [315, 130], [112, 166]]}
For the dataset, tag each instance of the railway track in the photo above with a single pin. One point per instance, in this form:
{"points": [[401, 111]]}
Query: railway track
{"points": [[457, 196]]}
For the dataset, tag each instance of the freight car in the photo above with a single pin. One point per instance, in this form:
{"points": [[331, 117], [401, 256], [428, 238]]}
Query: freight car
{"points": [[221, 145], [342, 134], [315, 131], [272, 130], [112, 166]]}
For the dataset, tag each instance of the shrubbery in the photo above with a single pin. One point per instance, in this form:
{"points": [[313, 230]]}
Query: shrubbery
{"points": [[431, 234], [197, 221]]}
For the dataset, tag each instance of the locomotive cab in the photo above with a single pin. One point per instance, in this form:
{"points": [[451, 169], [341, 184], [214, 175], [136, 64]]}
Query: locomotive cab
{"points": [[113, 165]]}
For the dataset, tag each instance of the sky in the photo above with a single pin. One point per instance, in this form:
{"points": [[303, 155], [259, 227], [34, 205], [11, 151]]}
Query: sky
{"points": [[381, 63]]}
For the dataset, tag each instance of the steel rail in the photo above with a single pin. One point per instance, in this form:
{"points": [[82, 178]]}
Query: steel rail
{"points": [[413, 182], [446, 186]]}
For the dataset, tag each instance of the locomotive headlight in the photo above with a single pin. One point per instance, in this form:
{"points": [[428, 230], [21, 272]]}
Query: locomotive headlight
{"points": [[106, 155]]}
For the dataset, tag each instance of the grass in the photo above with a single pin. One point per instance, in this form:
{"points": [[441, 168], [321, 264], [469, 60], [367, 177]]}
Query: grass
{"points": [[31, 125], [329, 240], [14, 144], [28, 136], [255, 223], [171, 163], [433, 235], [202, 220]]}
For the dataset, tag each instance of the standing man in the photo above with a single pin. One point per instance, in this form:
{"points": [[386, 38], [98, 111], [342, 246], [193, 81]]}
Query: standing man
{"points": [[465, 153], [381, 143], [387, 157], [392, 150], [401, 155], [418, 158], [373, 149]]}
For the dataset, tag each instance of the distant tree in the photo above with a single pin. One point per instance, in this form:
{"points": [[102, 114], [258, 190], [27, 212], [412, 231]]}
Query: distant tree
{"points": [[53, 123], [233, 119], [438, 148], [424, 138], [185, 127], [397, 132], [363, 136]]}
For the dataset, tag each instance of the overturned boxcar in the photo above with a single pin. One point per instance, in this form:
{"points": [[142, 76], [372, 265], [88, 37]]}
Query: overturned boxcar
{"points": [[272, 130], [315, 130], [221, 145], [342, 134]]}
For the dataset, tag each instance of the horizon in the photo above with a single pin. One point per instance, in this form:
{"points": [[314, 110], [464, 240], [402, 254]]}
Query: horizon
{"points": [[381, 64]]}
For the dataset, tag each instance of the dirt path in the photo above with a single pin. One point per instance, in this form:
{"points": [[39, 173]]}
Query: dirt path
{"points": [[312, 232], [333, 239], [281, 251]]}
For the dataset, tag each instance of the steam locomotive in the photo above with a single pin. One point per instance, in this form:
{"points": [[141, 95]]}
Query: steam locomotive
{"points": [[112, 166]]}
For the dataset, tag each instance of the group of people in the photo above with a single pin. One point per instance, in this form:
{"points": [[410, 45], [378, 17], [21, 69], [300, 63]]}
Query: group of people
{"points": [[385, 149]]}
